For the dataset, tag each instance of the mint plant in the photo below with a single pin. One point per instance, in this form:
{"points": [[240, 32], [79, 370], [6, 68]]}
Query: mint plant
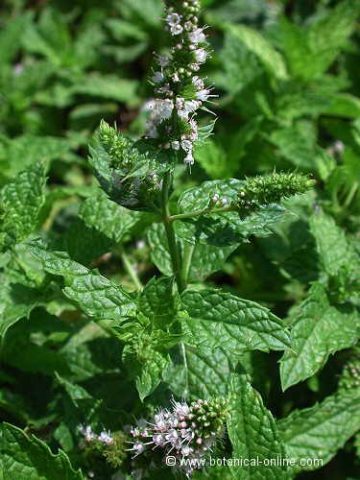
{"points": [[164, 312]]}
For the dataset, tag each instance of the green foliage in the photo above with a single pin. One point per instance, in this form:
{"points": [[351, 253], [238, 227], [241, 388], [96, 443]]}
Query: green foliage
{"points": [[27, 457], [253, 432], [21, 201], [318, 432], [319, 329], [217, 317]]}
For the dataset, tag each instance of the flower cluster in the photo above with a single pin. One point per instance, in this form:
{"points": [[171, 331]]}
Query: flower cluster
{"points": [[105, 437], [180, 92], [185, 432], [125, 171], [109, 445]]}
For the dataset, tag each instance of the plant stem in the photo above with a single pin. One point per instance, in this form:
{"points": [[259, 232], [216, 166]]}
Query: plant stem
{"points": [[131, 271], [170, 233], [186, 262], [199, 213]]}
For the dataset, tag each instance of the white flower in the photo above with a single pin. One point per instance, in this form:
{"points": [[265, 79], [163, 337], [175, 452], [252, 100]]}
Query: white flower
{"points": [[186, 107], [173, 19], [176, 29], [163, 60], [158, 77], [194, 130], [175, 145], [181, 409], [204, 95], [186, 145], [159, 440], [189, 159], [198, 83], [88, 433], [105, 437], [201, 55], [186, 451], [197, 36], [138, 448]]}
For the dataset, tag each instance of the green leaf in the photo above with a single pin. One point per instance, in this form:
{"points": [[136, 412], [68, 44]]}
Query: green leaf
{"points": [[151, 374], [253, 433], [334, 250], [204, 260], [76, 392], [329, 34], [28, 458], [296, 143], [107, 86], [271, 60], [217, 318], [158, 302], [27, 150], [311, 50], [320, 431], [21, 201], [212, 157], [145, 364], [200, 372], [108, 217], [10, 36], [319, 330], [97, 296], [16, 302], [223, 229]]}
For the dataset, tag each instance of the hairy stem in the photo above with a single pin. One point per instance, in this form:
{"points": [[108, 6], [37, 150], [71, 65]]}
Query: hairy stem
{"points": [[170, 233]]}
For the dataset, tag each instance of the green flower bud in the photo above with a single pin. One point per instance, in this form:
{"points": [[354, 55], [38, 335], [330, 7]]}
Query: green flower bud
{"points": [[124, 171], [266, 189]]}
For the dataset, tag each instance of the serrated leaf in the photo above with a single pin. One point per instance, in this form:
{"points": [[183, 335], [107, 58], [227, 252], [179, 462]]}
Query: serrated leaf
{"points": [[261, 48], [213, 159], [334, 250], [21, 201], [158, 302], [16, 302], [27, 150], [253, 433], [310, 50], [108, 217], [217, 318], [151, 374], [205, 259], [200, 372], [28, 458], [226, 229], [296, 143], [97, 296], [107, 86], [319, 330], [320, 431]]}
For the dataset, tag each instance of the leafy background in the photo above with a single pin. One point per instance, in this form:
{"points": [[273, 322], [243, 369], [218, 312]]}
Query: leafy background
{"points": [[287, 75]]}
